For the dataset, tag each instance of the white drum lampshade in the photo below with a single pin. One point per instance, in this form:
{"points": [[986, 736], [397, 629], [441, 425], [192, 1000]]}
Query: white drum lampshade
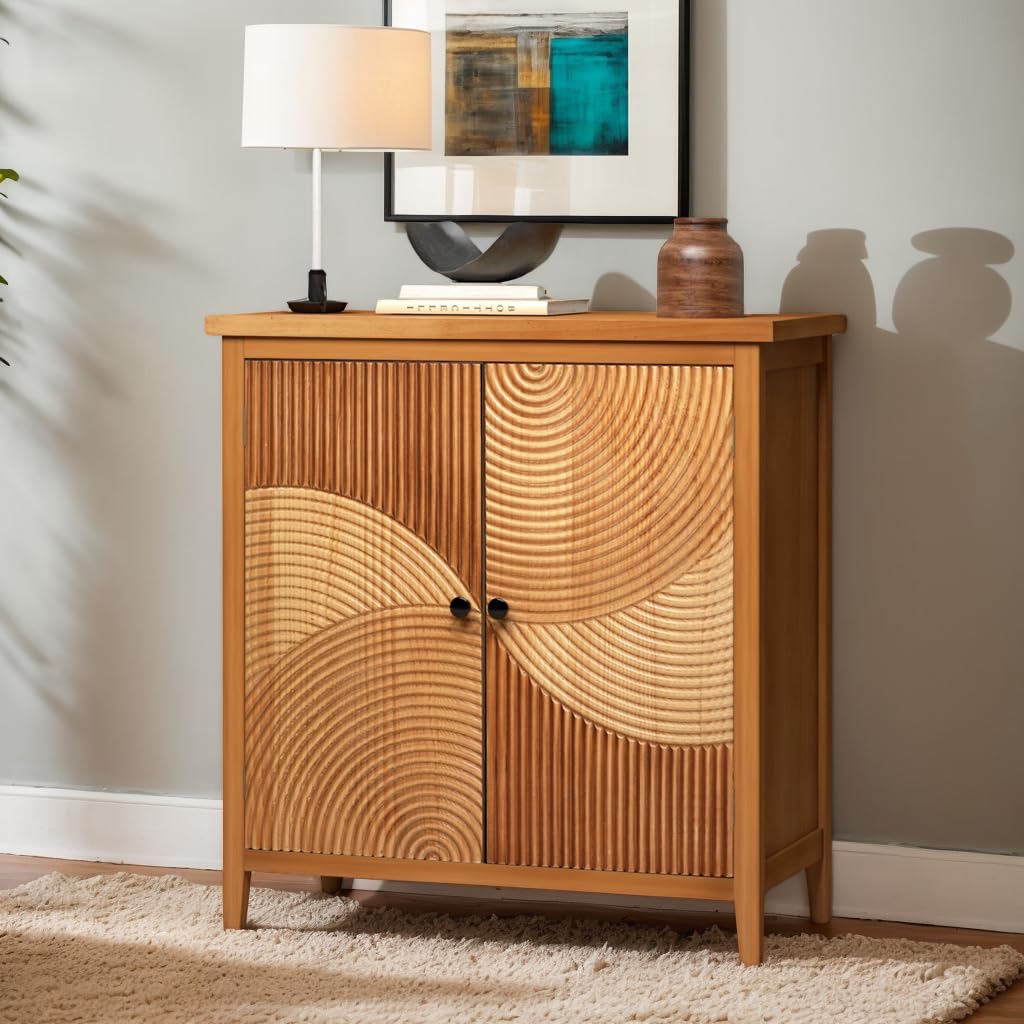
{"points": [[334, 87]]}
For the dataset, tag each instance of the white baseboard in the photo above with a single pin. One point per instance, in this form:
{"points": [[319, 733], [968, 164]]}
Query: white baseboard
{"points": [[116, 828], [889, 883]]}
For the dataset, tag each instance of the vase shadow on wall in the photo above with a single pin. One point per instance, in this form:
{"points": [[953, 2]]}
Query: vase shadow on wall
{"points": [[929, 554]]}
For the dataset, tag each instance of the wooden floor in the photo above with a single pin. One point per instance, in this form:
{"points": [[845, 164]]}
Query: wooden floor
{"points": [[1007, 1008]]}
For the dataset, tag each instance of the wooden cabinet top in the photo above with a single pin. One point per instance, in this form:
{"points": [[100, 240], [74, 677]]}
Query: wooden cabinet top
{"points": [[621, 327]]}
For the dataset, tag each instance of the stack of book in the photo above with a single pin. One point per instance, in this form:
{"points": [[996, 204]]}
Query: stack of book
{"points": [[480, 300]]}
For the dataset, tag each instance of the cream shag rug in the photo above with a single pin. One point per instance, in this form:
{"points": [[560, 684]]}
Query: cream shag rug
{"points": [[124, 947]]}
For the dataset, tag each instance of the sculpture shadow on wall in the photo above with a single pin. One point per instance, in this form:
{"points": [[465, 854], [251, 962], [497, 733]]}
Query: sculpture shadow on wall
{"points": [[929, 555]]}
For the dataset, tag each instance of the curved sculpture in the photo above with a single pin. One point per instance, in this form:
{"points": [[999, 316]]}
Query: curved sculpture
{"points": [[445, 247]]}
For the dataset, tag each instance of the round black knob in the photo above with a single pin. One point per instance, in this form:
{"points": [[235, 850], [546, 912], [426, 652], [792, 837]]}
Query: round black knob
{"points": [[496, 608], [460, 607]]}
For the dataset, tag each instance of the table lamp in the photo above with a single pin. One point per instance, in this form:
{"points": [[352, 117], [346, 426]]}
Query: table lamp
{"points": [[334, 87]]}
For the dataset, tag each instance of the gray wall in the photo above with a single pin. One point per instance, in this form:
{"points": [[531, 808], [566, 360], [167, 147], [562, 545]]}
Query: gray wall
{"points": [[870, 160]]}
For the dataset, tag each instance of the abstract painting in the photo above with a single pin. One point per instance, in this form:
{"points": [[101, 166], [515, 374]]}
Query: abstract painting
{"points": [[554, 111], [544, 84]]}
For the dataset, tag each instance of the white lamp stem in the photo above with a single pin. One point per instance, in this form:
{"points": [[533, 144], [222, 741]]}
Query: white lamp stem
{"points": [[318, 210]]}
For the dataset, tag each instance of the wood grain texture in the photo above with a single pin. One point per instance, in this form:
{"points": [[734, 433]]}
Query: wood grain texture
{"points": [[601, 326], [402, 444], [363, 703], [401, 438], [749, 867], [522, 350], [785, 355], [609, 533], [566, 793], [366, 740], [624, 883], [700, 270], [790, 590], [313, 559], [800, 854], [236, 879], [819, 875]]}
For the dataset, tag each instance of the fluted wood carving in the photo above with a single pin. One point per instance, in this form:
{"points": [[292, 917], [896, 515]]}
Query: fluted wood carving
{"points": [[363, 693], [609, 533], [403, 438], [567, 793]]}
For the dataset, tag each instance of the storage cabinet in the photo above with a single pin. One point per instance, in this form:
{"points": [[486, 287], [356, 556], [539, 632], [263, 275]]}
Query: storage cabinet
{"points": [[528, 603]]}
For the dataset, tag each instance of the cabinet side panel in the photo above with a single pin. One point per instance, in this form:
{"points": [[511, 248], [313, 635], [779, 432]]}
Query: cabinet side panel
{"points": [[363, 704], [790, 605], [609, 515]]}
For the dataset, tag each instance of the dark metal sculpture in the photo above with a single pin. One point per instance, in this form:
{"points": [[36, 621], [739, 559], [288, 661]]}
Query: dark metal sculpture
{"points": [[445, 247]]}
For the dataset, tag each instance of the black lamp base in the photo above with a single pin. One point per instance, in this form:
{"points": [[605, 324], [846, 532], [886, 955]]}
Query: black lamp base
{"points": [[317, 301]]}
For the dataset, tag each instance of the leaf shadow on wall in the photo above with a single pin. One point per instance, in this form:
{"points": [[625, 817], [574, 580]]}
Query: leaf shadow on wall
{"points": [[91, 413], [75, 404], [929, 554]]}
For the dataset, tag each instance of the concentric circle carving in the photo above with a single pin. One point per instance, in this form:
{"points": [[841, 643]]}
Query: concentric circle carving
{"points": [[605, 484], [609, 494], [365, 739], [313, 559]]}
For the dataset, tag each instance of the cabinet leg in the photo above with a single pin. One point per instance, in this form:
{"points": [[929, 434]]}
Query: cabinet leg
{"points": [[819, 888], [236, 898], [750, 926], [333, 886]]}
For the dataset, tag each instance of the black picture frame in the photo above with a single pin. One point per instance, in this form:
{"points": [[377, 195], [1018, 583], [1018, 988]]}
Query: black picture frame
{"points": [[683, 164]]}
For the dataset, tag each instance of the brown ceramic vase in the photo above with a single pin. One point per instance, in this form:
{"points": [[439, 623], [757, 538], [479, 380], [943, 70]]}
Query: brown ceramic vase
{"points": [[700, 270]]}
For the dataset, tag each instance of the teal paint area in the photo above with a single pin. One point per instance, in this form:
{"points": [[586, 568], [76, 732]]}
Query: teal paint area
{"points": [[590, 95]]}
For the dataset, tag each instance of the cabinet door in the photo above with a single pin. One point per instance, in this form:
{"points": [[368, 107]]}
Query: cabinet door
{"points": [[609, 512], [363, 718]]}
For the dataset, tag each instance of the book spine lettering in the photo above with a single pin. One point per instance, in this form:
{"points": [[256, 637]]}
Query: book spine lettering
{"points": [[526, 307]]}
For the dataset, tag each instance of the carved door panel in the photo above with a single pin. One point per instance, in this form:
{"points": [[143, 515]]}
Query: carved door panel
{"points": [[608, 524], [363, 716]]}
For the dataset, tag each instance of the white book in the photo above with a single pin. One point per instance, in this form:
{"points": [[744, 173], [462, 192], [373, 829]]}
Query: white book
{"points": [[473, 291], [483, 307]]}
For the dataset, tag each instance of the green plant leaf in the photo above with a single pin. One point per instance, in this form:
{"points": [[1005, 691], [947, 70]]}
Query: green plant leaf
{"points": [[6, 174], [3, 280]]}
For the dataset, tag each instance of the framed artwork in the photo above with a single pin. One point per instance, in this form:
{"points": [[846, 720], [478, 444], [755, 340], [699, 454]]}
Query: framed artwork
{"points": [[564, 111]]}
